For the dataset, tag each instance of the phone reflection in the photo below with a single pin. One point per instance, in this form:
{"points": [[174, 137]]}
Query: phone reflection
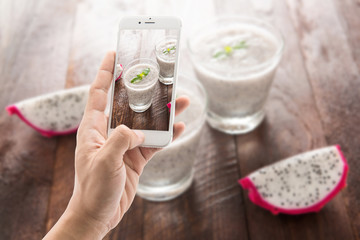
{"points": [[146, 61]]}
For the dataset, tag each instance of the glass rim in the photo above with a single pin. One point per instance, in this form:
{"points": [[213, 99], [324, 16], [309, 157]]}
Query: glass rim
{"points": [[140, 59], [169, 37], [243, 20]]}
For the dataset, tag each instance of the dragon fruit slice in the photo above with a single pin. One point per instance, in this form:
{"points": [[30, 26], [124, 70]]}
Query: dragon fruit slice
{"points": [[52, 114], [299, 184], [119, 70]]}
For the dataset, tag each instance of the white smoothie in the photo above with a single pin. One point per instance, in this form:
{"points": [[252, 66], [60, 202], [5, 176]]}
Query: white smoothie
{"points": [[165, 56], [233, 90], [236, 65], [140, 81]]}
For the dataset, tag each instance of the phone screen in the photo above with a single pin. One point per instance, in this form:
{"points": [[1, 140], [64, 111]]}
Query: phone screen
{"points": [[144, 71]]}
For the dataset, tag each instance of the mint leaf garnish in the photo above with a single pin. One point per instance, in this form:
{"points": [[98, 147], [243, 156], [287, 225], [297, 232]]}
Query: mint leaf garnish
{"points": [[140, 76], [167, 50]]}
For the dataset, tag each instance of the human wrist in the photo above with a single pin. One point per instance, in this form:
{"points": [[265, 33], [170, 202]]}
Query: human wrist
{"points": [[75, 225], [88, 225], [84, 227]]}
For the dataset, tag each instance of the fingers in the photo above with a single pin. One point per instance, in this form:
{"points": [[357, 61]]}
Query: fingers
{"points": [[100, 87], [178, 130], [121, 140], [181, 104]]}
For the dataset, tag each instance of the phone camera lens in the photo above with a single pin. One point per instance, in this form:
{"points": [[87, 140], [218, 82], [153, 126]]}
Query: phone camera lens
{"points": [[139, 22]]}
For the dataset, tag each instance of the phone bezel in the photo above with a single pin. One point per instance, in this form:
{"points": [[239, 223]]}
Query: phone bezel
{"points": [[153, 138]]}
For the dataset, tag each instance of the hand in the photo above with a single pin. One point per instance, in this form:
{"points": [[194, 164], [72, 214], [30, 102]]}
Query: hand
{"points": [[107, 170]]}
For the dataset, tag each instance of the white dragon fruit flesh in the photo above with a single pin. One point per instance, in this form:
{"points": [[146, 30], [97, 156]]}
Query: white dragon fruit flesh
{"points": [[300, 184], [52, 114]]}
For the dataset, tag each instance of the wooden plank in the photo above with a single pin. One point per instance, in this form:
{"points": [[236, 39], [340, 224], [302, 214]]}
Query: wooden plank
{"points": [[34, 46], [25, 179], [292, 125], [335, 80]]}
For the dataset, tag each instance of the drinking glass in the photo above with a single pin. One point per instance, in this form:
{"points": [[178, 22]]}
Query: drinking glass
{"points": [[235, 58], [140, 91]]}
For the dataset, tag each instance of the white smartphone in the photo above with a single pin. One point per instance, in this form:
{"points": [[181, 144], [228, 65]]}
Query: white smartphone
{"points": [[145, 74]]}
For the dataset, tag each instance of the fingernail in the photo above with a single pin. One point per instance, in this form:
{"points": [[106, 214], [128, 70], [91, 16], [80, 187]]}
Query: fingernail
{"points": [[140, 134]]}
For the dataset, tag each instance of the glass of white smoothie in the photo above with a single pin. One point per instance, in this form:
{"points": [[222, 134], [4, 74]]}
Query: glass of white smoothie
{"points": [[140, 78], [235, 59], [170, 172], [165, 52]]}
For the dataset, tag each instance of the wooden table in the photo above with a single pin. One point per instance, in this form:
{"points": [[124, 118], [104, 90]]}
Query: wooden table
{"points": [[314, 102]]}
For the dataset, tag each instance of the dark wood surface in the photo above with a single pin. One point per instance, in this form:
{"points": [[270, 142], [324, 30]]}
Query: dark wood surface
{"points": [[154, 118], [314, 102]]}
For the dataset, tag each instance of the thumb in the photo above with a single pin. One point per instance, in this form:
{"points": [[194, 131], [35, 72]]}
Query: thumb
{"points": [[123, 139]]}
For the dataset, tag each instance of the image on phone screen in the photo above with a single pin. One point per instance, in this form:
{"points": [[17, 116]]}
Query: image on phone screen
{"points": [[146, 60]]}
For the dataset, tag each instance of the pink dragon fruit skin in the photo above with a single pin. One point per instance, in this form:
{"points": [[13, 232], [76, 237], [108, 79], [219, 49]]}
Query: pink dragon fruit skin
{"points": [[257, 198], [12, 109], [68, 106]]}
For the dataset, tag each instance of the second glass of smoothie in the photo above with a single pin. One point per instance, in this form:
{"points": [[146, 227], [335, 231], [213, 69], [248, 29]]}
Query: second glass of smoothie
{"points": [[140, 78], [165, 52], [235, 59]]}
